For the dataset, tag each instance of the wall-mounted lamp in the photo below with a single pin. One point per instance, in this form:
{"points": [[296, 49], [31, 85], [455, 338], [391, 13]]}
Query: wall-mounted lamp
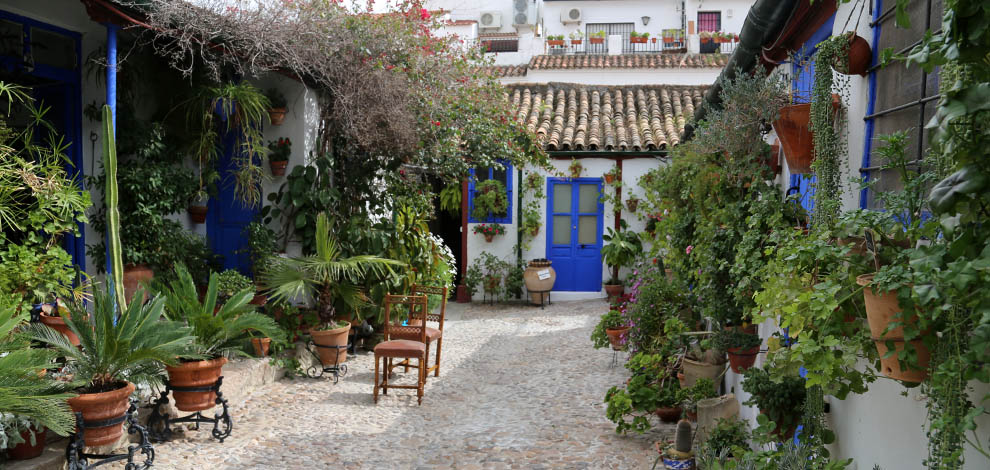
{"points": [[646, 20]]}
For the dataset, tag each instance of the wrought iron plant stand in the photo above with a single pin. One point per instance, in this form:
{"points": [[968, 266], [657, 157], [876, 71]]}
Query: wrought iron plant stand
{"points": [[160, 424], [338, 370], [78, 459]]}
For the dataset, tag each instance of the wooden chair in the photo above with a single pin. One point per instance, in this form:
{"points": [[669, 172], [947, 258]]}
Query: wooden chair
{"points": [[432, 334], [404, 342]]}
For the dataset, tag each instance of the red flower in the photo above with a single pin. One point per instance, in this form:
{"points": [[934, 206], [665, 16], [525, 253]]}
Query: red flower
{"points": [[436, 123], [424, 14]]}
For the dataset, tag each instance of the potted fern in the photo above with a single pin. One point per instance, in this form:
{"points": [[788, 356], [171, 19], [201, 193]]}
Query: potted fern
{"points": [[329, 279]]}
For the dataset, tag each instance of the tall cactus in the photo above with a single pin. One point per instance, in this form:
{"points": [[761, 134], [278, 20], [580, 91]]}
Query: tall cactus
{"points": [[116, 262]]}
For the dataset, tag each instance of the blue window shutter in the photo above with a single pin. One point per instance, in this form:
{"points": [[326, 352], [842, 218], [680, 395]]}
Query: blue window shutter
{"points": [[507, 219]]}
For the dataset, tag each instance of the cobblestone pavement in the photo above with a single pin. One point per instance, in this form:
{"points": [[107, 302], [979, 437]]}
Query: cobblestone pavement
{"points": [[519, 388]]}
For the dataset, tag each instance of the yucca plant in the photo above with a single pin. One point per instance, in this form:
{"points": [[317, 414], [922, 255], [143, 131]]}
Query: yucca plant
{"points": [[23, 391], [221, 333], [132, 346], [325, 276]]}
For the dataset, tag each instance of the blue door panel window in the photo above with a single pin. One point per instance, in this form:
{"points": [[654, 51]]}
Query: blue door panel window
{"points": [[574, 233]]}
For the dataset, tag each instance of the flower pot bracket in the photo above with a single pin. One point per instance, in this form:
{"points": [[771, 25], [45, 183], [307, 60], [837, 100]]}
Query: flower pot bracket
{"points": [[77, 459], [160, 424], [338, 370]]}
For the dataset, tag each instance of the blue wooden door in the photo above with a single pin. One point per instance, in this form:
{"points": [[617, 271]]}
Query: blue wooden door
{"points": [[574, 233], [227, 216]]}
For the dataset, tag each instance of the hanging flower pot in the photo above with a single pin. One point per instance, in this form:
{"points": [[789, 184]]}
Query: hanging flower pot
{"points": [[197, 213], [632, 203], [278, 167], [609, 178], [740, 359], [795, 136], [882, 308], [858, 57], [277, 116]]}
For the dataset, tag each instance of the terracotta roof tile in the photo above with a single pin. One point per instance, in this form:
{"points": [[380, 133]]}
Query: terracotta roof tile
{"points": [[499, 71], [568, 116], [628, 61]]}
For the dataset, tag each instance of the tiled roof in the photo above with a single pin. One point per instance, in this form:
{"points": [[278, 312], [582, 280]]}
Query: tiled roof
{"points": [[606, 118], [628, 61], [499, 71], [498, 36]]}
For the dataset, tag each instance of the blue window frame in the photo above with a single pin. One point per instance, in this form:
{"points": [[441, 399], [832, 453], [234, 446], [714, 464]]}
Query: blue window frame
{"points": [[478, 175]]}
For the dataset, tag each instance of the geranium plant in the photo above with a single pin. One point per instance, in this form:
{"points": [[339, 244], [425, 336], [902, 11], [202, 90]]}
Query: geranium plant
{"points": [[489, 230], [279, 150]]}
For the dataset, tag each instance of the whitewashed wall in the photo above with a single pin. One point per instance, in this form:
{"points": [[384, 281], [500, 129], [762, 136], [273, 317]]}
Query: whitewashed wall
{"points": [[886, 425]]}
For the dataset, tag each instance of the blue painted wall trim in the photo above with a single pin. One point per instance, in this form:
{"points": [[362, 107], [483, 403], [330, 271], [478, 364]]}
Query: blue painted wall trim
{"points": [[864, 194]]}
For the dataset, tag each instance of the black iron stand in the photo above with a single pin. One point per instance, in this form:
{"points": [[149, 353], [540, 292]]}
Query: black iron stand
{"points": [[544, 297], [160, 425], [79, 460], [338, 370]]}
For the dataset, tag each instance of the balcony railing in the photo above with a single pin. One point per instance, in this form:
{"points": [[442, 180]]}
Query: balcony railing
{"points": [[629, 46]]}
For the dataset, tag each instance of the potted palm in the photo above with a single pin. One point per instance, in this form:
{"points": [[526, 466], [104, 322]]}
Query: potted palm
{"points": [[329, 279], [622, 248], [218, 325]]}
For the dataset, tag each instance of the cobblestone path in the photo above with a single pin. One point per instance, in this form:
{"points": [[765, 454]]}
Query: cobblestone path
{"points": [[519, 388]]}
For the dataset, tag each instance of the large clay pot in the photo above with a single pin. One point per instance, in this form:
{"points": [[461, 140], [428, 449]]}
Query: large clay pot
{"points": [[616, 336], [25, 450], [796, 137], [134, 276], [102, 407], [858, 245], [195, 374], [277, 116], [535, 285], [881, 309], [614, 291], [694, 370], [261, 346], [859, 57], [57, 323], [334, 337], [742, 359]]}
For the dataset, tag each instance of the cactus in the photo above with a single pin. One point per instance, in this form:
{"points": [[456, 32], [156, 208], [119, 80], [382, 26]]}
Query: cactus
{"points": [[682, 439], [116, 264]]}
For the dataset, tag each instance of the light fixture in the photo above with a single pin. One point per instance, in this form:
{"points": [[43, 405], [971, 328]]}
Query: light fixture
{"points": [[646, 20]]}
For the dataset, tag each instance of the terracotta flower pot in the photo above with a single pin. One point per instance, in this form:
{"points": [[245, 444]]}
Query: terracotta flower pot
{"points": [[669, 414], [742, 359], [489, 237], [575, 42], [637, 40], [797, 139], [609, 178], [57, 323], [134, 276], [261, 346], [259, 300], [682, 380], [614, 290], [632, 204], [195, 374], [858, 58], [882, 309], [26, 451], [197, 213], [555, 42], [102, 407], [334, 337], [535, 231], [615, 337], [668, 40], [597, 40], [706, 40], [277, 116], [278, 167]]}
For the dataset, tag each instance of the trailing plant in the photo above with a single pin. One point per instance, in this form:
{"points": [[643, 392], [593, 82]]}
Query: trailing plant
{"points": [[531, 216], [779, 397], [450, 198], [490, 200], [220, 324], [621, 249], [827, 125], [575, 168], [611, 320]]}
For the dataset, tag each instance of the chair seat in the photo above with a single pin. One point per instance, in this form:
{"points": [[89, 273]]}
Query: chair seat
{"points": [[432, 334], [400, 348]]}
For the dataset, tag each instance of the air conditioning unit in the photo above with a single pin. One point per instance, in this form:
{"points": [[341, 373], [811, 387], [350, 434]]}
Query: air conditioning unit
{"points": [[570, 15], [522, 13], [490, 19]]}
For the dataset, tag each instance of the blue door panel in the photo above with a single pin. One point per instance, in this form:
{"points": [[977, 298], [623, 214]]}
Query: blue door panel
{"points": [[578, 266], [227, 216]]}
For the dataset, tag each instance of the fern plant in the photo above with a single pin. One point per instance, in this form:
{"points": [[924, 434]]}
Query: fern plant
{"points": [[219, 330], [450, 198]]}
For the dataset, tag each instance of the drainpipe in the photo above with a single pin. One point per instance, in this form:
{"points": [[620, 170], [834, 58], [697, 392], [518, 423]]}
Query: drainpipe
{"points": [[764, 23], [519, 232]]}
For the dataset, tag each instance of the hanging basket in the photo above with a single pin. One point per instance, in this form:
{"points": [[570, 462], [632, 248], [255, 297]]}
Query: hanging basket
{"points": [[858, 57], [882, 308], [795, 136]]}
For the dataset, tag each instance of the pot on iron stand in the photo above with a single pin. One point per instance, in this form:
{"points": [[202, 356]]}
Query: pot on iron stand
{"points": [[539, 277]]}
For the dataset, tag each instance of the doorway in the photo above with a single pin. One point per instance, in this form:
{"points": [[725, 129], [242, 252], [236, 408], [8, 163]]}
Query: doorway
{"points": [[574, 233]]}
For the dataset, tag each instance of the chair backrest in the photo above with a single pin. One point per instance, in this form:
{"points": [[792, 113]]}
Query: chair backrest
{"points": [[434, 290], [417, 308]]}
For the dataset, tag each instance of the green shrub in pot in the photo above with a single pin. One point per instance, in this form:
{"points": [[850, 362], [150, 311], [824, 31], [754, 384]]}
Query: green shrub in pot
{"points": [[778, 396], [230, 282]]}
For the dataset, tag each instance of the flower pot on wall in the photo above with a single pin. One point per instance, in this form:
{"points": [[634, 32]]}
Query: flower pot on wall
{"points": [[197, 213], [881, 309], [609, 178], [195, 374], [26, 451], [277, 116], [278, 167], [795, 136], [858, 58], [489, 237], [632, 203], [104, 406], [535, 270]]}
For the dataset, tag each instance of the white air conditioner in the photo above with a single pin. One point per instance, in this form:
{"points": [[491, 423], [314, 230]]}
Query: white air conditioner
{"points": [[570, 15], [522, 13], [490, 19]]}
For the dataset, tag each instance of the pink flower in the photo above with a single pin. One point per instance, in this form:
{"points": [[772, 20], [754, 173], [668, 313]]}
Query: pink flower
{"points": [[688, 249], [424, 14]]}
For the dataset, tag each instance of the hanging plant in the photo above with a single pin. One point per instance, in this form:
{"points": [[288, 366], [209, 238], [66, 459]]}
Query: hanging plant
{"points": [[827, 127], [450, 198], [490, 200], [490, 231], [575, 168]]}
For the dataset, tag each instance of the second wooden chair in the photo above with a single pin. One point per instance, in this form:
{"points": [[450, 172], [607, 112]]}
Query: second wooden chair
{"points": [[402, 342]]}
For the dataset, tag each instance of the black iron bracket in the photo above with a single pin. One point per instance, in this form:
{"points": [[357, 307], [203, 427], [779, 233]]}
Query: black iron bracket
{"points": [[78, 459], [337, 370], [160, 424]]}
